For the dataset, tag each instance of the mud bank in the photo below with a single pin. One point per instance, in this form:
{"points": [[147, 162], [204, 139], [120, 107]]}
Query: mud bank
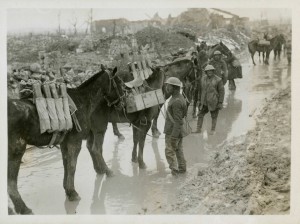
{"points": [[248, 175]]}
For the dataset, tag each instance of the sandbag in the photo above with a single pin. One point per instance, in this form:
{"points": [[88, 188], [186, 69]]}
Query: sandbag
{"points": [[60, 114], [51, 109], [66, 108], [59, 108], [41, 107]]}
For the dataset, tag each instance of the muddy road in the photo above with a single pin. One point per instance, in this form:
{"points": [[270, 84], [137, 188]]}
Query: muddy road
{"points": [[150, 191]]}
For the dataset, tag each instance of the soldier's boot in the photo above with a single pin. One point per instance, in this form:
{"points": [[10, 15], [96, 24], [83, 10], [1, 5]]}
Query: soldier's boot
{"points": [[199, 124], [194, 111], [231, 84], [213, 126]]}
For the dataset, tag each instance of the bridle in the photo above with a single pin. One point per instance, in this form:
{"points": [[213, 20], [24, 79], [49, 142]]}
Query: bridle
{"points": [[113, 83]]}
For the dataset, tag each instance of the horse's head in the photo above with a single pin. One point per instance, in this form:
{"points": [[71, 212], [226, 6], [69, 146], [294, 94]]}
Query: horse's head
{"points": [[112, 88], [181, 68]]}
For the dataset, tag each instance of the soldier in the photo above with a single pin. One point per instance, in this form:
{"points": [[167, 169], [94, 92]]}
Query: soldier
{"points": [[201, 63], [176, 111], [220, 66], [211, 97]]}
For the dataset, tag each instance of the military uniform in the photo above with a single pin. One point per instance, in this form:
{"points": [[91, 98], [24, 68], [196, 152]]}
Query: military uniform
{"points": [[176, 111], [220, 69], [212, 94]]}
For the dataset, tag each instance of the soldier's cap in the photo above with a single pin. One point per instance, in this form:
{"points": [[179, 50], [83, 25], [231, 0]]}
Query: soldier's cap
{"points": [[217, 52], [174, 81], [209, 68]]}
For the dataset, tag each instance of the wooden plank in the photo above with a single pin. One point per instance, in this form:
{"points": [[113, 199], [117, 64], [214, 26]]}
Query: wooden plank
{"points": [[160, 96], [139, 102]]}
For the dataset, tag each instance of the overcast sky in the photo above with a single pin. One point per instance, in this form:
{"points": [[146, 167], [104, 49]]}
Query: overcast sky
{"points": [[25, 20]]}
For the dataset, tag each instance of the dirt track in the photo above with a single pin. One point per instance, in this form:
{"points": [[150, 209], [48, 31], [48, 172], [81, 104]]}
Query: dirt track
{"points": [[251, 174]]}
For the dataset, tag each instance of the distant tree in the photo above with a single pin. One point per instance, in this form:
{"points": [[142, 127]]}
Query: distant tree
{"points": [[58, 18], [74, 23], [89, 22]]}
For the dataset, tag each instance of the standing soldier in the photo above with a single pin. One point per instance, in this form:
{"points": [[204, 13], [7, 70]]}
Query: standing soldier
{"points": [[201, 63], [220, 66], [176, 111], [211, 98]]}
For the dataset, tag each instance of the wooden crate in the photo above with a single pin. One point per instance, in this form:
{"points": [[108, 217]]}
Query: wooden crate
{"points": [[144, 100]]}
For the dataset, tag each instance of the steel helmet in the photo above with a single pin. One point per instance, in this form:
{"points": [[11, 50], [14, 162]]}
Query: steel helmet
{"points": [[174, 81], [209, 68], [217, 52]]}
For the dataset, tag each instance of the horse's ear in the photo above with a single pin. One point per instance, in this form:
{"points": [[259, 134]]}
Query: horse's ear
{"points": [[102, 67], [115, 70]]}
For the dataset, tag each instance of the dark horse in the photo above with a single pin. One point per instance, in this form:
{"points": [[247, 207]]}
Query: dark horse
{"points": [[101, 91], [141, 122], [253, 46]]}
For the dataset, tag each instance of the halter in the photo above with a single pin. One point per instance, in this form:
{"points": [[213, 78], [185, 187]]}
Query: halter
{"points": [[112, 80]]}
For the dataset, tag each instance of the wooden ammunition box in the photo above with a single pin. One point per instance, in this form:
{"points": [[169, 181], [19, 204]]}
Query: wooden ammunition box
{"points": [[144, 100]]}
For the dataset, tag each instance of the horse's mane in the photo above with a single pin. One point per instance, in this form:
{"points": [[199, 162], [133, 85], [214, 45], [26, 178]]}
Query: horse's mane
{"points": [[89, 81]]}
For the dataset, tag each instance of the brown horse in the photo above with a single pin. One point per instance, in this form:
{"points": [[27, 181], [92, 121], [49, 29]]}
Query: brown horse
{"points": [[100, 91], [253, 46]]}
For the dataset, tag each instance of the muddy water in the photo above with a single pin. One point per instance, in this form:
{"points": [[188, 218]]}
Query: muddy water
{"points": [[134, 191]]}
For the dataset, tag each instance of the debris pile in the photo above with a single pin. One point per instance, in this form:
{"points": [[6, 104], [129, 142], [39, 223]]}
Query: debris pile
{"points": [[165, 41]]}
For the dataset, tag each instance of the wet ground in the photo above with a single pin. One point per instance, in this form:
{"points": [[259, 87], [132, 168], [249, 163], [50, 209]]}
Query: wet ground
{"points": [[134, 191]]}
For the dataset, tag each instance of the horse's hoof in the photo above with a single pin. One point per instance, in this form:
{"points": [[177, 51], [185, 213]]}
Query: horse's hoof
{"points": [[100, 171], [26, 211], [155, 134], [134, 160], [121, 137], [142, 165], [109, 173], [73, 196]]}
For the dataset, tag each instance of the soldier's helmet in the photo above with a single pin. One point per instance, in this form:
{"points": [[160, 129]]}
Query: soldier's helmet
{"points": [[174, 81], [217, 53], [209, 68]]}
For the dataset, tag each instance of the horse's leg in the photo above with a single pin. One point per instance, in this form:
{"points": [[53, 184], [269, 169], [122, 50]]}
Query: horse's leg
{"points": [[195, 102], [116, 131], [267, 57], [97, 153], [135, 132], [15, 153], [97, 161], [155, 132], [252, 56], [70, 149], [259, 56], [142, 138]]}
